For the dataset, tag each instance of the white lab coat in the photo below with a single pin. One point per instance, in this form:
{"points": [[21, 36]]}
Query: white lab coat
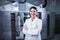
{"points": [[34, 28]]}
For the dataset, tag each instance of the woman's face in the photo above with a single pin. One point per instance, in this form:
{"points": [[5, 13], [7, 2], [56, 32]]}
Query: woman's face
{"points": [[33, 13]]}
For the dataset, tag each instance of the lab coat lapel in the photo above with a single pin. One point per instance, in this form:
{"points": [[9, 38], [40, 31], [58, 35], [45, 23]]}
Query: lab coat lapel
{"points": [[34, 21]]}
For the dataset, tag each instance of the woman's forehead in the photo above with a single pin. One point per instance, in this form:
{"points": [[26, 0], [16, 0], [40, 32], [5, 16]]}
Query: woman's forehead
{"points": [[33, 9]]}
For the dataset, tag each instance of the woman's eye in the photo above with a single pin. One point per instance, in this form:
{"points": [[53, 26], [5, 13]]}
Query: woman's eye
{"points": [[34, 11], [30, 11]]}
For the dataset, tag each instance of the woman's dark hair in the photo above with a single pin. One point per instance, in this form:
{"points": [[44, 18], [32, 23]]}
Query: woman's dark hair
{"points": [[33, 8]]}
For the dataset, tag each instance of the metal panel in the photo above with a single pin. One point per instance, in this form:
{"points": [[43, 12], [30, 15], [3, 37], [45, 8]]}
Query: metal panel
{"points": [[51, 25], [6, 24], [0, 25]]}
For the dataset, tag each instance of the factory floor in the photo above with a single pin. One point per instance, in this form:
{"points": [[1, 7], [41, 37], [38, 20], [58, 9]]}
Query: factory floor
{"points": [[57, 37]]}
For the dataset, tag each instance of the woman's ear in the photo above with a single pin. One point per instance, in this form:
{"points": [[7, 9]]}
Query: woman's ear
{"points": [[37, 14], [29, 14]]}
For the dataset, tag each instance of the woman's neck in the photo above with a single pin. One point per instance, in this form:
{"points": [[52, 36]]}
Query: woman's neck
{"points": [[33, 18]]}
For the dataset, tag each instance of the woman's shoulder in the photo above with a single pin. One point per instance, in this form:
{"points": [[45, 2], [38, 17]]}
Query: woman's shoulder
{"points": [[39, 20], [28, 19]]}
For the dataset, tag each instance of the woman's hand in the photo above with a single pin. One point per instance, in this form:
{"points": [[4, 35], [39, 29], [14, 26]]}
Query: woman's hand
{"points": [[25, 27]]}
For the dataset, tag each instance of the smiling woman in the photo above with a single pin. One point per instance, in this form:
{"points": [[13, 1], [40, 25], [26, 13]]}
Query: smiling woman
{"points": [[32, 26]]}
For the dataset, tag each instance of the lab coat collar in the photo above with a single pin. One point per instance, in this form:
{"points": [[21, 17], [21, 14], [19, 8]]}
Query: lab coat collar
{"points": [[34, 19]]}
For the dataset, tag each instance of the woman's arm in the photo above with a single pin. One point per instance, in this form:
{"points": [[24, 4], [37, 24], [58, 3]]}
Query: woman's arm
{"points": [[25, 29]]}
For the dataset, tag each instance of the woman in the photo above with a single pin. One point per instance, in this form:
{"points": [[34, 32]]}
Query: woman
{"points": [[32, 26]]}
